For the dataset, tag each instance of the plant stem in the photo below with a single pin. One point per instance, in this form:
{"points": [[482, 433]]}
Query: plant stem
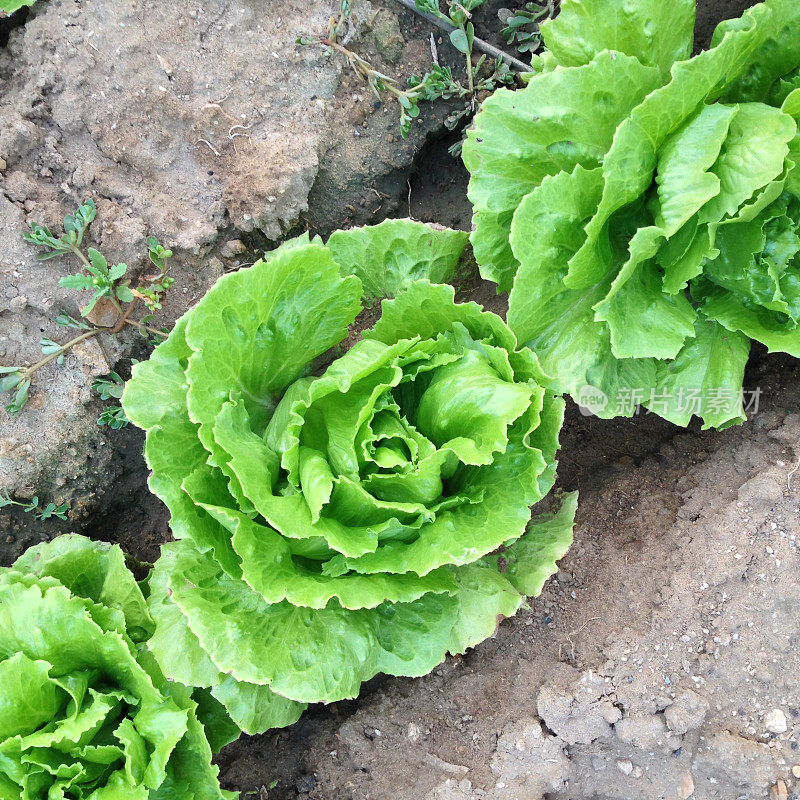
{"points": [[28, 371], [78, 252], [366, 71], [478, 44], [360, 66], [141, 326], [10, 502], [123, 320]]}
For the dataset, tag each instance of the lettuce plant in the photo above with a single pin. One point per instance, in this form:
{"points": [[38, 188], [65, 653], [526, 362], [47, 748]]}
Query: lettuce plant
{"points": [[10, 6], [333, 522], [642, 206], [85, 711]]}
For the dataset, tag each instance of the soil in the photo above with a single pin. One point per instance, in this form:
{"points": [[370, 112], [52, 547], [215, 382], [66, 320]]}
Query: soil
{"points": [[660, 662]]}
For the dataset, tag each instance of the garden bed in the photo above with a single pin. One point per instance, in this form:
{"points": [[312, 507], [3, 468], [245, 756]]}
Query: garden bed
{"points": [[658, 663]]}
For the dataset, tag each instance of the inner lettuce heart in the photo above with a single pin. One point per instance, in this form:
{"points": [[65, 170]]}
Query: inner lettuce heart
{"points": [[338, 514], [85, 711], [642, 206]]}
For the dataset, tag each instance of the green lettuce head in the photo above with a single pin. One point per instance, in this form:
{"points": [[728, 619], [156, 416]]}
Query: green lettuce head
{"points": [[10, 6], [337, 522], [642, 207], [85, 713]]}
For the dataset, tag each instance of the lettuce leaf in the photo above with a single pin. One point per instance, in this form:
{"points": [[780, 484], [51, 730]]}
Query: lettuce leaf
{"points": [[643, 249], [337, 520], [550, 132], [10, 6], [85, 711], [656, 34]]}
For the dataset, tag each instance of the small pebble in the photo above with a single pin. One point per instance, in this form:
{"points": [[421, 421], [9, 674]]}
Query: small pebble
{"points": [[775, 721], [796, 770], [625, 766], [687, 786]]}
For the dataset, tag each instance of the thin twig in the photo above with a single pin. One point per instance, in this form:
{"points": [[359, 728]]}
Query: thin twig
{"points": [[28, 371], [208, 144], [571, 640], [124, 318], [231, 133], [359, 65], [478, 44]]}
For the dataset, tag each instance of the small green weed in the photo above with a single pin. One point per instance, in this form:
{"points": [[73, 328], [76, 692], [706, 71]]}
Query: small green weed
{"points": [[522, 26], [438, 82], [103, 280], [32, 507], [108, 387]]}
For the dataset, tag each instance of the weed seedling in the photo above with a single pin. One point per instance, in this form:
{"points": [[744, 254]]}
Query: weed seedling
{"points": [[103, 280], [522, 26], [32, 507], [111, 386], [438, 82], [463, 34], [114, 417]]}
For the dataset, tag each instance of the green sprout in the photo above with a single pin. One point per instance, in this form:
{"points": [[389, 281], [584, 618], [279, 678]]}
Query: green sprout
{"points": [[108, 387], [438, 82], [103, 281], [158, 285], [462, 37], [75, 226], [522, 26], [32, 507], [114, 417]]}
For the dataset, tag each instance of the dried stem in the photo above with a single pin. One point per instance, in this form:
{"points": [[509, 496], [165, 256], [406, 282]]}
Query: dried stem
{"points": [[124, 318], [478, 44]]}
